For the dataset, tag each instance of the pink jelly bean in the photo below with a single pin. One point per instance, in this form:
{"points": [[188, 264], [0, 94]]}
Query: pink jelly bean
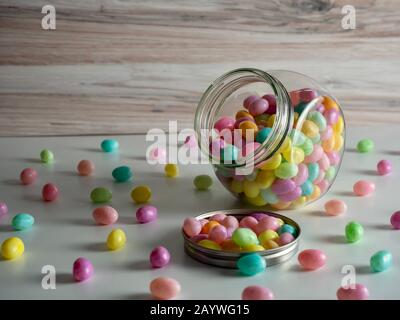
{"points": [[307, 95], [285, 238], [250, 148], [333, 157], [158, 153], [229, 232], [271, 103], [295, 97], [358, 292], [302, 175], [320, 108], [248, 222], [28, 176], [312, 259], [146, 214], [395, 220], [363, 188], [324, 162], [199, 237], [257, 293], [327, 133], [249, 100], [230, 222], [82, 269], [224, 123], [192, 226], [105, 215], [331, 116], [335, 207], [316, 155], [290, 196], [267, 223], [164, 288], [323, 185], [282, 186], [218, 234], [218, 217], [258, 107], [259, 215], [190, 141], [49, 192], [159, 257], [384, 167], [321, 176], [203, 222]]}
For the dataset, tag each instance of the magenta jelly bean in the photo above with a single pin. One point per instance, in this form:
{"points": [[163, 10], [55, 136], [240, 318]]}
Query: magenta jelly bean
{"points": [[271, 103], [307, 95], [285, 238], [312, 259], [257, 293], [331, 116], [267, 223], [290, 196], [218, 217], [159, 257], [146, 214], [282, 186], [384, 167], [218, 234], [28, 176], [302, 175], [3, 209], [82, 269], [327, 133], [224, 123], [259, 215], [395, 220], [353, 292], [192, 226], [258, 107], [49, 192], [248, 222], [363, 188], [230, 222], [249, 100], [333, 157]]}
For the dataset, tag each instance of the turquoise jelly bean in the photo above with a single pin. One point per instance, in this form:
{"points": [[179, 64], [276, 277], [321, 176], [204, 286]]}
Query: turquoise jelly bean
{"points": [[109, 145], [313, 171], [318, 119], [122, 174], [330, 173], [316, 139], [229, 153], [286, 170], [381, 261], [251, 264], [23, 221], [263, 134], [287, 228], [298, 137], [269, 196], [307, 147], [307, 188]]}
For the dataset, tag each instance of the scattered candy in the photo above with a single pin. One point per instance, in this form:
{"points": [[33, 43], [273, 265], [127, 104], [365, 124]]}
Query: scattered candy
{"points": [[46, 156], [335, 207], [312, 259], [122, 174], [381, 261], [116, 239], [49, 192], [384, 167], [354, 231], [141, 194], [192, 227], [203, 182], [105, 215], [100, 195], [251, 264], [257, 293], [146, 214], [164, 288], [12, 248], [363, 188], [365, 145], [28, 176], [109, 145], [85, 167], [23, 221], [394, 219], [82, 269], [358, 292], [171, 170], [159, 257], [3, 209]]}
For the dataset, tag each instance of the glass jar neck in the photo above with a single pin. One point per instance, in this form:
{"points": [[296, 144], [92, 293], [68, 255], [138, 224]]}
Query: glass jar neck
{"points": [[212, 102]]}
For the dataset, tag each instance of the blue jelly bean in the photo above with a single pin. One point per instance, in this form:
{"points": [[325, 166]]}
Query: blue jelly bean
{"points": [[287, 228], [122, 174], [381, 261], [109, 145], [251, 264], [229, 154], [23, 221], [307, 188], [313, 171], [263, 134]]}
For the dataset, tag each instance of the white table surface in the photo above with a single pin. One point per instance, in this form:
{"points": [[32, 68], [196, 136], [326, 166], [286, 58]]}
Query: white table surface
{"points": [[65, 230]]}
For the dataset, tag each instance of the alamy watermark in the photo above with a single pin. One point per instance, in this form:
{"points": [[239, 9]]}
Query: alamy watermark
{"points": [[49, 20]]}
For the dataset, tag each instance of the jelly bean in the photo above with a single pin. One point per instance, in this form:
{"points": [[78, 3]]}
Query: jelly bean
{"points": [[312, 259], [244, 237], [258, 215], [251, 188], [267, 235], [363, 188], [307, 188], [159, 154], [105, 215], [316, 154], [384, 167], [116, 239], [323, 185], [85, 167], [230, 222], [353, 292], [313, 171], [224, 123], [146, 214], [159, 257], [316, 139], [281, 205], [229, 245], [219, 217], [122, 174], [262, 120], [237, 125], [171, 170], [307, 147], [192, 227], [271, 103], [309, 128], [330, 103], [285, 238], [258, 107], [324, 162], [327, 134], [257, 201], [218, 234], [253, 248], [249, 130], [229, 153], [287, 228], [354, 231], [280, 222], [267, 223], [82, 269], [269, 196], [307, 95], [249, 222], [28, 176], [295, 155], [302, 175], [286, 170], [203, 182], [257, 293], [321, 176], [290, 196], [270, 244], [109, 145], [365, 146], [249, 100], [299, 202], [263, 134], [23, 221], [272, 163], [3, 209], [395, 220], [209, 244], [100, 195], [320, 108], [301, 107], [141, 194], [164, 288], [317, 118], [199, 237], [49, 192], [243, 114], [381, 261], [330, 173], [334, 158], [316, 193], [265, 178], [46, 156], [209, 225], [331, 116], [251, 264], [298, 138], [12, 248], [335, 207]]}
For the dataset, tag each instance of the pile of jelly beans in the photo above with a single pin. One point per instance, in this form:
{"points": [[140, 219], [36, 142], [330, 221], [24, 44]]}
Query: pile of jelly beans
{"points": [[306, 163], [252, 233]]}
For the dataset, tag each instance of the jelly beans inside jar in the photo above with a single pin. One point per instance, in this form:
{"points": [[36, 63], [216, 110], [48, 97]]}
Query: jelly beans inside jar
{"points": [[274, 138]]}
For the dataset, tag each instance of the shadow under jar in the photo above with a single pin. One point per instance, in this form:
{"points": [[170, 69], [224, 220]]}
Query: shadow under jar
{"points": [[275, 139]]}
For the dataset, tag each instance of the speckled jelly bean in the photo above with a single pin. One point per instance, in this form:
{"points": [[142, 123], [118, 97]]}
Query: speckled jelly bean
{"points": [[50, 192], [46, 156], [3, 209], [381, 261], [312, 259], [395, 220], [192, 227], [159, 257], [109, 145], [12, 248], [355, 291], [251, 264], [335, 207], [100, 195], [28, 176], [23, 221], [257, 293], [164, 288], [141, 194], [203, 182], [354, 231], [85, 168], [105, 215], [384, 167], [365, 146], [122, 174], [244, 237], [82, 269], [116, 239], [146, 214], [363, 188]]}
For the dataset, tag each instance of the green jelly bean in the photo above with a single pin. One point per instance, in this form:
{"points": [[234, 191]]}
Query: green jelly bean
{"points": [[298, 137], [269, 196], [330, 173], [203, 182], [251, 264], [100, 195], [244, 237], [313, 171], [122, 174], [109, 145], [365, 145], [381, 261], [354, 231], [318, 119], [23, 221], [229, 154], [286, 170], [307, 147], [46, 156]]}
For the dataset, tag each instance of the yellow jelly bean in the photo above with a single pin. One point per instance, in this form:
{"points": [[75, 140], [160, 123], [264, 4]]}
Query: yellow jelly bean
{"points": [[315, 195], [230, 245], [281, 205], [243, 114], [253, 248], [265, 178], [272, 163], [257, 201], [329, 144], [270, 244], [251, 188], [339, 125], [249, 130], [271, 121], [310, 129], [236, 186], [329, 103], [339, 141], [209, 244], [12, 248], [116, 239], [286, 145], [299, 202], [295, 155], [141, 194], [171, 170], [267, 235]]}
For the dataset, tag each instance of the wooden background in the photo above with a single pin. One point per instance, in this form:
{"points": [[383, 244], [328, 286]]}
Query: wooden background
{"points": [[122, 66]]}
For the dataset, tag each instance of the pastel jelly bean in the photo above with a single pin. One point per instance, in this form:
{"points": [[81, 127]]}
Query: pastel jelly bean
{"points": [[331, 116], [257, 293], [22, 221], [224, 123], [109, 145], [312, 259], [230, 222], [330, 173], [159, 257], [354, 231], [3, 209], [365, 146], [313, 171], [282, 186], [356, 291], [12, 248], [395, 220], [248, 222], [258, 215], [203, 182], [82, 269], [302, 175], [122, 174], [141, 194], [146, 214], [209, 244], [269, 196], [192, 227], [218, 217], [384, 167], [270, 244], [105, 215], [290, 196], [249, 129], [263, 134], [318, 119], [258, 107], [267, 235], [251, 264], [307, 188], [116, 239], [253, 248], [50, 192], [46, 156], [171, 170], [100, 195], [285, 238], [286, 170], [28, 176], [335, 207], [381, 261], [249, 100], [287, 228], [85, 168], [164, 288], [267, 223], [244, 237], [363, 188], [218, 234]]}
